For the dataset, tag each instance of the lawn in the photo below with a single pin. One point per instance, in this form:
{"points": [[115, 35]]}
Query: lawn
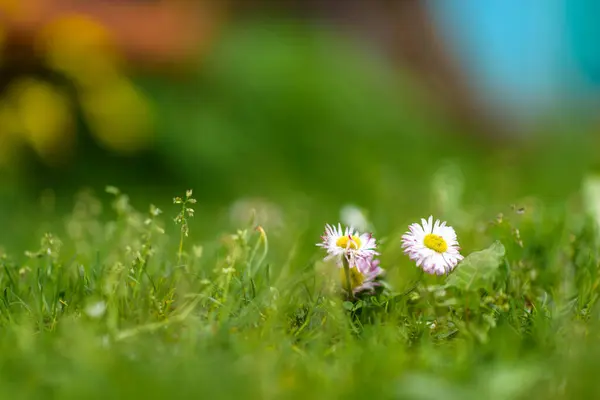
{"points": [[119, 301]]}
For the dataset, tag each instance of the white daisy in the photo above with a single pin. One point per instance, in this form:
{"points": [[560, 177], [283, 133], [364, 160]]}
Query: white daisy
{"points": [[433, 246], [348, 243], [364, 275]]}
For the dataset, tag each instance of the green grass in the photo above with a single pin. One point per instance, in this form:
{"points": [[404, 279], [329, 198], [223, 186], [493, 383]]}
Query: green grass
{"points": [[122, 303]]}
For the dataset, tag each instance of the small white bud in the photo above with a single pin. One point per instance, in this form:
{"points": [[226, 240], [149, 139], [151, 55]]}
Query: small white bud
{"points": [[96, 310], [112, 190]]}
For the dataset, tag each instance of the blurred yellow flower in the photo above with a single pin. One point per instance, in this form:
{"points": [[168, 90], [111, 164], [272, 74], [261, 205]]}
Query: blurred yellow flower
{"points": [[81, 48], [42, 114], [38, 113], [119, 116], [117, 113]]}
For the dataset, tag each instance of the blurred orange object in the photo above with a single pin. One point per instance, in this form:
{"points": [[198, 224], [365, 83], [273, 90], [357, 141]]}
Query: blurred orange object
{"points": [[92, 43], [160, 32]]}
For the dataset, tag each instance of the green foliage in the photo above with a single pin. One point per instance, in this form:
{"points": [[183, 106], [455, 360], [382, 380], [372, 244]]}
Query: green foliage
{"points": [[107, 306]]}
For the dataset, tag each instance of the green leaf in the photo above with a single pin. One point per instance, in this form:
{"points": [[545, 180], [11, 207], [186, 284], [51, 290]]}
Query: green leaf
{"points": [[478, 270]]}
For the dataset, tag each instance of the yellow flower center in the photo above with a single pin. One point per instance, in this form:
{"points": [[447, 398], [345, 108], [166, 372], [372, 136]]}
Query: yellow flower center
{"points": [[356, 278], [347, 242], [436, 243]]}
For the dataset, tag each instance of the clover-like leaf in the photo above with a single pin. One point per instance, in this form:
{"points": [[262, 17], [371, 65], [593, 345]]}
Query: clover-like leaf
{"points": [[478, 269]]}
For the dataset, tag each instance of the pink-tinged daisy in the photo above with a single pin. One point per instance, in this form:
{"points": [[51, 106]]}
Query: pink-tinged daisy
{"points": [[348, 243], [433, 246], [364, 275]]}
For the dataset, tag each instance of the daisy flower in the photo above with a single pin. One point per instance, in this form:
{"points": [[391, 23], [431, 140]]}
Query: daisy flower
{"points": [[348, 243], [364, 275], [433, 246]]}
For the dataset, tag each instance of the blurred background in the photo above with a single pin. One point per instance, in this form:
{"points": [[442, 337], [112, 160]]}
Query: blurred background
{"points": [[301, 106]]}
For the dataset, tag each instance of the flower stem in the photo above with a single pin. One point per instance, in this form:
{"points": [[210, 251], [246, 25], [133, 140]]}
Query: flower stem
{"points": [[180, 252], [347, 274]]}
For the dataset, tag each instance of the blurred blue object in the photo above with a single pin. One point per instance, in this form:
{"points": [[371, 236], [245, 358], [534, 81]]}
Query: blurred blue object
{"points": [[583, 34], [525, 59]]}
